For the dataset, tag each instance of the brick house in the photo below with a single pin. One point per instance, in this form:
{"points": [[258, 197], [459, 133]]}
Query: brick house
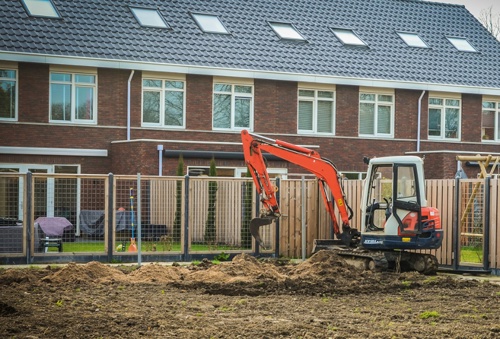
{"points": [[125, 86]]}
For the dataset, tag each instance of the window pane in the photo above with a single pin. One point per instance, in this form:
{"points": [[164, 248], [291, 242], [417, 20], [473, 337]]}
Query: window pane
{"points": [[84, 103], [323, 94], [305, 115], [306, 93], [367, 97], [348, 37], [149, 17], [412, 39], [86, 79], [174, 84], [151, 83], [453, 102], [151, 107], [462, 44], [451, 123], [384, 120], [366, 118], [7, 99], [242, 112], [222, 88], [325, 117], [286, 31], [222, 111], [60, 77], [243, 89], [488, 125], [489, 104], [209, 23], [6, 73], [60, 96], [385, 98], [174, 108], [435, 101], [41, 8], [434, 122]]}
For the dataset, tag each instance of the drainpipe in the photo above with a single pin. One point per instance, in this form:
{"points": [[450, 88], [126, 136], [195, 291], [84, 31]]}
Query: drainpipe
{"points": [[128, 104], [419, 118], [160, 159]]}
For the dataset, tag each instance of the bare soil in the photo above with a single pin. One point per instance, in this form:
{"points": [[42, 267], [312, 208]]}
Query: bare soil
{"points": [[322, 297]]}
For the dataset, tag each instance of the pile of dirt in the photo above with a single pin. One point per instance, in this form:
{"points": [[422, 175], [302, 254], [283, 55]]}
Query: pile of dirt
{"points": [[93, 272]]}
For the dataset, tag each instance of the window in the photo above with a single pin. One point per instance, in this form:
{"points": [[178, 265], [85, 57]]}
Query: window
{"points": [[163, 103], [149, 17], [461, 44], [444, 118], [73, 97], [316, 111], [412, 40], [376, 114], [210, 23], [41, 8], [286, 31], [8, 94], [348, 37], [490, 125], [233, 106]]}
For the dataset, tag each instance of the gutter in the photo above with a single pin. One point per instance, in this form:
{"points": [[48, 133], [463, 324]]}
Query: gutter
{"points": [[419, 119], [128, 103]]}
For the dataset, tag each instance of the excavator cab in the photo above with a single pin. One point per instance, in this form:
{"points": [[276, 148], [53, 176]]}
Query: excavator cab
{"points": [[394, 208]]}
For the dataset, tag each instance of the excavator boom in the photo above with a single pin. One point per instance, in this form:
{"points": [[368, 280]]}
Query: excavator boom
{"points": [[324, 169]]}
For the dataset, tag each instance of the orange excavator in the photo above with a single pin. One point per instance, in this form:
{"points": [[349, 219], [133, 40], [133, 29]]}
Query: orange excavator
{"points": [[395, 216]]}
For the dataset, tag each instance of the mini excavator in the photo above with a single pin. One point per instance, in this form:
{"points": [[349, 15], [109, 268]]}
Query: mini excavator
{"points": [[395, 216]]}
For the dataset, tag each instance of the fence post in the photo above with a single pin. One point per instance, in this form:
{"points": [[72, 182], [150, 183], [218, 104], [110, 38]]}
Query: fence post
{"points": [[456, 226], [277, 221], [257, 213], [486, 225], [187, 256], [303, 216], [28, 215], [110, 215], [139, 253]]}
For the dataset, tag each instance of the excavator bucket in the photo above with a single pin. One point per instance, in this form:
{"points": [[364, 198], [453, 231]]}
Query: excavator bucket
{"points": [[255, 224], [327, 244]]}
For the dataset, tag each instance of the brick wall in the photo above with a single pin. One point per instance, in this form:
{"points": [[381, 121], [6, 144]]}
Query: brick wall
{"points": [[347, 111]]}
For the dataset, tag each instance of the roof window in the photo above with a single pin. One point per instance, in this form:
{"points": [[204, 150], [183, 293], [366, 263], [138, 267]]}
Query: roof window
{"points": [[461, 44], [148, 17], [348, 37], [209, 23], [412, 40], [286, 31], [41, 8]]}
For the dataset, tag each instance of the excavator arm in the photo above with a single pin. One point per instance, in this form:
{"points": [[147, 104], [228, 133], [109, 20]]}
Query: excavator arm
{"points": [[322, 168]]}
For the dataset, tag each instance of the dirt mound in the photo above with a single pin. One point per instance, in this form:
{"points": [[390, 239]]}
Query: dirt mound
{"points": [[156, 273], [325, 264], [93, 272]]}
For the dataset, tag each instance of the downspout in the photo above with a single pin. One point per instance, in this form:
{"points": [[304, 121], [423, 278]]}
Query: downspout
{"points": [[128, 104], [419, 118], [159, 148]]}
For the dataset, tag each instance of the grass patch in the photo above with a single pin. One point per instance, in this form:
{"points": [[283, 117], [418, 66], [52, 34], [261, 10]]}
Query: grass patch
{"points": [[146, 246], [429, 314], [472, 254]]}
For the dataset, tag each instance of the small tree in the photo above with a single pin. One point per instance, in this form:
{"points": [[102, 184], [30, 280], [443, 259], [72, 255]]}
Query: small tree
{"points": [[210, 229], [246, 237], [178, 201], [491, 21]]}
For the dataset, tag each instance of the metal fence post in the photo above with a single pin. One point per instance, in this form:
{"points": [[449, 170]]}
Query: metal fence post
{"points": [[277, 221], [28, 215], [111, 194], [456, 226], [303, 216], [257, 213], [486, 224], [187, 256], [139, 253]]}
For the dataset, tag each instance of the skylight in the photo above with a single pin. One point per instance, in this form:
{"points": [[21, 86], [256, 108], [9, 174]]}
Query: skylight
{"points": [[413, 40], [461, 44], [42, 8], [348, 37], [286, 31], [149, 17], [210, 23]]}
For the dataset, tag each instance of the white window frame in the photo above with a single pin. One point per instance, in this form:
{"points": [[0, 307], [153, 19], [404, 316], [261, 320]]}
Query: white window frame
{"points": [[377, 103], [412, 39], [73, 85], [234, 95], [443, 108], [41, 8], [315, 99], [163, 90], [496, 113], [348, 37], [209, 23], [462, 44], [16, 89]]}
